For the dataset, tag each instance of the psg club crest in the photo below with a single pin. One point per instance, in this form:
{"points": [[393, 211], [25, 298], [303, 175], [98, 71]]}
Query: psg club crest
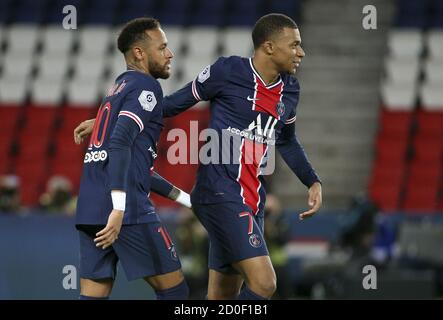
{"points": [[255, 240], [280, 108]]}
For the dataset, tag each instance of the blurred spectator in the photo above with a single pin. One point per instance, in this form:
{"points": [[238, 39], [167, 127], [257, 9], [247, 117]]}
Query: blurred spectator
{"points": [[9, 194], [58, 196], [277, 233], [193, 251]]}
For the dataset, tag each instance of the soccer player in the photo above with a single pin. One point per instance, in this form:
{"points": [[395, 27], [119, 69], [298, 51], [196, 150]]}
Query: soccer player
{"points": [[115, 218], [254, 99]]}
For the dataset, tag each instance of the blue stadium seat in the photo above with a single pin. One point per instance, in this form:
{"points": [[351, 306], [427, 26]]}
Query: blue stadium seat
{"points": [[245, 12], [100, 12], [290, 8], [135, 9], [29, 11], [208, 13]]}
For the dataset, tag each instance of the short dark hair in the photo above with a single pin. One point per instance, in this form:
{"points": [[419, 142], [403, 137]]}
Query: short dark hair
{"points": [[270, 25], [134, 31]]}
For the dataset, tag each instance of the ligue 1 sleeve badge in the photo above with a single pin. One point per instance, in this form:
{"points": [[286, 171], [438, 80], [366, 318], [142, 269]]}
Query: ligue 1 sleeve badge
{"points": [[280, 108], [255, 240]]}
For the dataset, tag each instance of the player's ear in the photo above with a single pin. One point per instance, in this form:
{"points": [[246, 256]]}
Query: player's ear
{"points": [[137, 52], [268, 47]]}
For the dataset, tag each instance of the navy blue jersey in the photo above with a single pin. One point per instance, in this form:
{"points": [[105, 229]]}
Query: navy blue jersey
{"points": [[133, 104], [259, 115]]}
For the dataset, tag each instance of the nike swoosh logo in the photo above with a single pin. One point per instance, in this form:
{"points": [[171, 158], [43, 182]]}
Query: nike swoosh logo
{"points": [[251, 99]]}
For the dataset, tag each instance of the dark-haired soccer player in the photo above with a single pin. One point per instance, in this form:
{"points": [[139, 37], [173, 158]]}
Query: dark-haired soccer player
{"points": [[254, 99], [115, 218]]}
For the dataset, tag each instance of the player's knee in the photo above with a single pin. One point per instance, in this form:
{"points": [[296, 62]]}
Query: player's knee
{"points": [[264, 286], [178, 292]]}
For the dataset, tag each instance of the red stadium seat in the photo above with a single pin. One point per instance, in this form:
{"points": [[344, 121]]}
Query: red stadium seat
{"points": [[428, 150], [386, 196], [430, 123], [395, 124], [71, 117], [32, 175], [40, 117], [391, 150], [420, 199], [11, 114]]}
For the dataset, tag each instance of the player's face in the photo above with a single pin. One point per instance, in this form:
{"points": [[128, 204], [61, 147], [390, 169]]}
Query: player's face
{"points": [[159, 55], [288, 52]]}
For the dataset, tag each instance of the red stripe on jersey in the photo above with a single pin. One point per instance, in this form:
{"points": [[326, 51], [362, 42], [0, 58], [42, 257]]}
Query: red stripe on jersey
{"points": [[134, 117], [266, 99], [251, 156]]}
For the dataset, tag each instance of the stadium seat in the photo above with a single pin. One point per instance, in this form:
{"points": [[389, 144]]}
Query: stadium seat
{"points": [[22, 38], [391, 150], [57, 42], [40, 118], [13, 113], [431, 95], [52, 66], [398, 96], [89, 66], [430, 123], [17, 64], [420, 199], [175, 37], [83, 93], [13, 90], [435, 43], [47, 90], [237, 41], [207, 38], [434, 70], [94, 41], [395, 124], [71, 117], [402, 70], [405, 42], [428, 152], [386, 197], [30, 11]]}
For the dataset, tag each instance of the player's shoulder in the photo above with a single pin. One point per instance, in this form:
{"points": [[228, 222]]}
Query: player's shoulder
{"points": [[290, 82]]}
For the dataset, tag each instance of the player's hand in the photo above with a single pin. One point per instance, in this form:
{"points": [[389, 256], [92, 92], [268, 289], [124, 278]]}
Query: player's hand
{"points": [[83, 130], [109, 234], [314, 201]]}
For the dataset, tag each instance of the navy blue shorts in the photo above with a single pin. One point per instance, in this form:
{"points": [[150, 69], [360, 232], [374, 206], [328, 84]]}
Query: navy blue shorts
{"points": [[144, 250], [234, 234]]}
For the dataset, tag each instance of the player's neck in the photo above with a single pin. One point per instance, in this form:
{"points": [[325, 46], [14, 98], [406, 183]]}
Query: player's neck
{"points": [[265, 69], [137, 66]]}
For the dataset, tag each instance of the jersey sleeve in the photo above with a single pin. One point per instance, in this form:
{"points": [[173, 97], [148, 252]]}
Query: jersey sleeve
{"points": [[142, 101], [206, 86]]}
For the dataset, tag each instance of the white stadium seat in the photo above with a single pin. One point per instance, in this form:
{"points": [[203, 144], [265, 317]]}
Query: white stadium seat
{"points": [[57, 41], [89, 66], [237, 41], [405, 42], [53, 66], [435, 43], [432, 96], [83, 92], [18, 64], [397, 96], [22, 38], [202, 42], [402, 70], [434, 70], [47, 91], [95, 40], [13, 89]]}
